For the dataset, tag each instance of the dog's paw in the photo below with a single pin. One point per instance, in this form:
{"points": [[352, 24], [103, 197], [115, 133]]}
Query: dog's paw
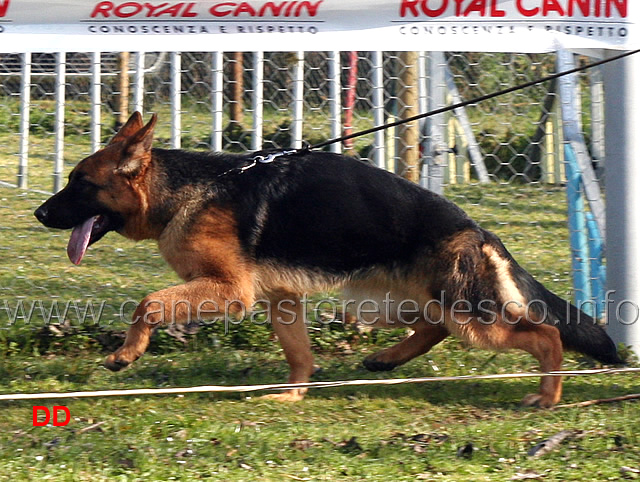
{"points": [[288, 396], [373, 364], [538, 400], [117, 361]]}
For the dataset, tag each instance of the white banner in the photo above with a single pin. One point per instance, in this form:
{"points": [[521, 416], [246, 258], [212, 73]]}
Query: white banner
{"points": [[208, 25]]}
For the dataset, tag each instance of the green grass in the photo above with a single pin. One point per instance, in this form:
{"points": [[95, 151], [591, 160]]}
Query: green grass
{"points": [[404, 432], [400, 433]]}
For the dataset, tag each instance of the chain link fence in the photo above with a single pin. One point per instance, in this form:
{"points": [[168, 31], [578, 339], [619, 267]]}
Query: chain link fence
{"points": [[501, 160]]}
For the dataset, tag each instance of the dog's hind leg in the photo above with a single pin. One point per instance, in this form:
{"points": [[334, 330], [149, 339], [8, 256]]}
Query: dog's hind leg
{"points": [[425, 336], [288, 321], [543, 342], [178, 304]]}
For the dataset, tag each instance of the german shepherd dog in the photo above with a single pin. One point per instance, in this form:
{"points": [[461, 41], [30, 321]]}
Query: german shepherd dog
{"points": [[236, 230]]}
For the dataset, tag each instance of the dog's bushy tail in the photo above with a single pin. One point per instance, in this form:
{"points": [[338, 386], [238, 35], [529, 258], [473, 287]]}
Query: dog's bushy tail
{"points": [[578, 331]]}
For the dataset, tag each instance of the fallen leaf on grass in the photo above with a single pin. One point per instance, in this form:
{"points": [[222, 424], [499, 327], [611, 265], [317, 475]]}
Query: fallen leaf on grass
{"points": [[301, 443], [181, 434], [241, 424], [550, 444], [92, 427], [53, 443], [629, 472], [185, 453], [526, 476], [350, 445], [418, 448], [619, 442], [426, 438], [466, 451], [126, 463]]}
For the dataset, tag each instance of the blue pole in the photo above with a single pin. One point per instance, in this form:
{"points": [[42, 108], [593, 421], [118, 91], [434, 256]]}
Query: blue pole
{"points": [[577, 234], [598, 269]]}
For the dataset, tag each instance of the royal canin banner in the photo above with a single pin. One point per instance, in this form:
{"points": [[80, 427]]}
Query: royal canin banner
{"points": [[210, 25]]}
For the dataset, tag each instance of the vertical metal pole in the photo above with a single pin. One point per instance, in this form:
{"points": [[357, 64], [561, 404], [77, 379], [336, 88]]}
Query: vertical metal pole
{"points": [[298, 101], [176, 106], [423, 99], [477, 160], [423, 78], [573, 135], [622, 98], [436, 155], [58, 150], [96, 101], [377, 98], [596, 243], [334, 99], [558, 142], [25, 107], [216, 100], [138, 83], [597, 117], [258, 100]]}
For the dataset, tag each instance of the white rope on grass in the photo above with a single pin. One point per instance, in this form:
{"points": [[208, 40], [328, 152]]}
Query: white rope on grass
{"points": [[289, 386]]}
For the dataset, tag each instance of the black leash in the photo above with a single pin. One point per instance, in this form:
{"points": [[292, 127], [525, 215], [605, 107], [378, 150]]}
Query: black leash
{"points": [[286, 152], [472, 101]]}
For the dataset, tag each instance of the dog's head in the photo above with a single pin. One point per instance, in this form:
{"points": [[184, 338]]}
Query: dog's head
{"points": [[105, 192]]}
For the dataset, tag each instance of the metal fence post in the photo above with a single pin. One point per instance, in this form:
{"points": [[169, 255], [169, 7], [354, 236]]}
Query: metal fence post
{"points": [[58, 163], [298, 101], [25, 108], [258, 100], [597, 118], [622, 114], [433, 168], [335, 104], [96, 101], [176, 105], [138, 83], [217, 98], [377, 100]]}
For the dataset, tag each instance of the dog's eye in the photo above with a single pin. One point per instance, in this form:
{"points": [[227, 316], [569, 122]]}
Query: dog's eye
{"points": [[84, 183]]}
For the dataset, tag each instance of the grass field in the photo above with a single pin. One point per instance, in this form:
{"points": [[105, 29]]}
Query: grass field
{"points": [[437, 431], [379, 433]]}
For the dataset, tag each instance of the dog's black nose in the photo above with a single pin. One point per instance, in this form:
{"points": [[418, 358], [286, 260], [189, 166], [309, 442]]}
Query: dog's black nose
{"points": [[41, 214]]}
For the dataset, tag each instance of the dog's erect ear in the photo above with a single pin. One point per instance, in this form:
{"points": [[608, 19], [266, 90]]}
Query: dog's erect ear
{"points": [[133, 125], [136, 153]]}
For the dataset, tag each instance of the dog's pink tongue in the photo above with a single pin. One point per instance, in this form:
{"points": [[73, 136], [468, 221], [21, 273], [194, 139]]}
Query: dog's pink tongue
{"points": [[79, 240]]}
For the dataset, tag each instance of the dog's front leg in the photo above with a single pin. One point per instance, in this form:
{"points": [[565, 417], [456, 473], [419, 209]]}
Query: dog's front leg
{"points": [[288, 320], [178, 304]]}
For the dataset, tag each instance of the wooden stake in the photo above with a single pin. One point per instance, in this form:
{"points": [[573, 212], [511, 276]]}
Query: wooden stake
{"points": [[123, 88], [409, 135], [237, 105]]}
